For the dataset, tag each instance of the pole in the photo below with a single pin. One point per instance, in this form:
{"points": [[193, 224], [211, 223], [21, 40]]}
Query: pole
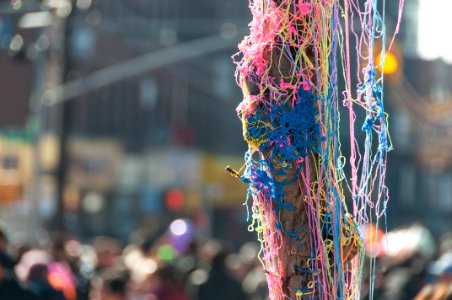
{"points": [[288, 114], [65, 119]]}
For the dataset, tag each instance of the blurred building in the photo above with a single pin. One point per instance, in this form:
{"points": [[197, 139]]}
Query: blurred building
{"points": [[420, 100], [148, 147], [136, 143], [21, 45]]}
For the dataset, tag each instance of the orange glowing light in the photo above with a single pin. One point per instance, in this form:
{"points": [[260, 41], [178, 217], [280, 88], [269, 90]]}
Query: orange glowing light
{"points": [[390, 63]]}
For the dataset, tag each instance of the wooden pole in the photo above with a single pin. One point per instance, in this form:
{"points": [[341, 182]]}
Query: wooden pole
{"points": [[290, 247]]}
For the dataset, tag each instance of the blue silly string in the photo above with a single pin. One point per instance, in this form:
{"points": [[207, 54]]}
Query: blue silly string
{"points": [[294, 169], [290, 131]]}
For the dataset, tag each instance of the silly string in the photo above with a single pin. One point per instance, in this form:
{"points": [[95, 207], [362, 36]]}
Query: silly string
{"points": [[288, 68]]}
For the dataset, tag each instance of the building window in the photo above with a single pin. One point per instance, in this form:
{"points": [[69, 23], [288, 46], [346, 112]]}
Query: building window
{"points": [[407, 178], [433, 29], [445, 193]]}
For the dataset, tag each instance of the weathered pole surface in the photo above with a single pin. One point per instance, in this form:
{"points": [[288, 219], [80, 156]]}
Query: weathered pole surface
{"points": [[295, 251], [290, 248]]}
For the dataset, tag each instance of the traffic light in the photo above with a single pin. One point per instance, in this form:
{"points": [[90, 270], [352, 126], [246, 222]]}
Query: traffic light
{"points": [[175, 200], [391, 63]]}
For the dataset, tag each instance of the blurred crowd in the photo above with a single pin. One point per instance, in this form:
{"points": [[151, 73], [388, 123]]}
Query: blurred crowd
{"points": [[178, 266], [171, 266]]}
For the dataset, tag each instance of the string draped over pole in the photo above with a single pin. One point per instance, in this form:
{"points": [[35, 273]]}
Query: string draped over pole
{"points": [[288, 68]]}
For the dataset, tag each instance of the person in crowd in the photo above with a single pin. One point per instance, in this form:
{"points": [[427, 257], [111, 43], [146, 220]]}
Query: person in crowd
{"points": [[166, 285], [108, 252], [7, 260], [111, 285], [220, 284], [39, 283], [441, 289], [60, 273], [10, 287]]}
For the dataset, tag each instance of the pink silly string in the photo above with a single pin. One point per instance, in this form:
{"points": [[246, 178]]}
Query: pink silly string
{"points": [[303, 36]]}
